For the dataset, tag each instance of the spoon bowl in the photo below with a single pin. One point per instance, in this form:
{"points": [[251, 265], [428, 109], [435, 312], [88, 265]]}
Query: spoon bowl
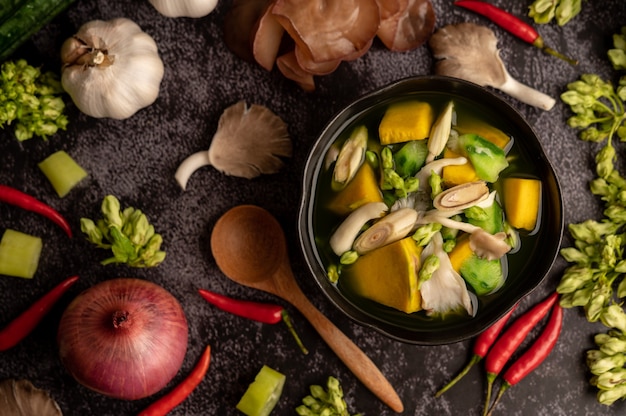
{"points": [[249, 246]]}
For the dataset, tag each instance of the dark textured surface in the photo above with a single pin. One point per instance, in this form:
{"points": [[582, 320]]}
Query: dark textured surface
{"points": [[135, 159]]}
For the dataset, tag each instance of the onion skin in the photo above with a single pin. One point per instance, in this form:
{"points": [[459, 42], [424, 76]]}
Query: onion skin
{"points": [[124, 338]]}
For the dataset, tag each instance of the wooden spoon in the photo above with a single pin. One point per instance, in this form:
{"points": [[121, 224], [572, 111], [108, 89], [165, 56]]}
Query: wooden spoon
{"points": [[249, 247]]}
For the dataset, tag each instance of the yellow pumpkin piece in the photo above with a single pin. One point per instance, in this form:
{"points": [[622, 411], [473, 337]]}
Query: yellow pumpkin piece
{"points": [[405, 121], [483, 129], [522, 197], [460, 253], [457, 174], [363, 188], [388, 275]]}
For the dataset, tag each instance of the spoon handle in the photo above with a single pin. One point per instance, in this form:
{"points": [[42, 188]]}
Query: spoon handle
{"points": [[351, 355]]}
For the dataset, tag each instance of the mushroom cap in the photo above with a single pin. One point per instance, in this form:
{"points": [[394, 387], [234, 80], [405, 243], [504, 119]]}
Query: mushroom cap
{"points": [[249, 141], [21, 397], [468, 51], [405, 24], [329, 30]]}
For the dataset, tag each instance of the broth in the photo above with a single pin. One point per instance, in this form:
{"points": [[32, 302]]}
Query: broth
{"points": [[521, 164]]}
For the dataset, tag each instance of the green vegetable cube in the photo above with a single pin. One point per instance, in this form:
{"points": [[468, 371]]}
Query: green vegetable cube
{"points": [[263, 394], [19, 254], [62, 172]]}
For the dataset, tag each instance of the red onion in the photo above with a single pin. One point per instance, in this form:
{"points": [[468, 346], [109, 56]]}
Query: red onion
{"points": [[125, 338]]}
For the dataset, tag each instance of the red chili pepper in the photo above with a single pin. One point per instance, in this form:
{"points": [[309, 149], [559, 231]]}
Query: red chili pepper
{"points": [[483, 342], [175, 397], [535, 355], [506, 345], [262, 312], [21, 326], [512, 24], [20, 199]]}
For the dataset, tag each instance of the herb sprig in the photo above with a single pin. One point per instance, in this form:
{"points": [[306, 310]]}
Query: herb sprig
{"points": [[596, 280], [30, 100]]}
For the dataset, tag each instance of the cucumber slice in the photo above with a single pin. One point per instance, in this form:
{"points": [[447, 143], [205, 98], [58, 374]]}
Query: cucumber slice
{"points": [[487, 158], [62, 171], [19, 254], [410, 158], [263, 394]]}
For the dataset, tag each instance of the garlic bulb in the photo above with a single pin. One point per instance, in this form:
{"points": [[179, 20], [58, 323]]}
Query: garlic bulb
{"points": [[111, 68], [184, 8]]}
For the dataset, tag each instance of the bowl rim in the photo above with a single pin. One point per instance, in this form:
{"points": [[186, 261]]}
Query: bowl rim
{"points": [[313, 163]]}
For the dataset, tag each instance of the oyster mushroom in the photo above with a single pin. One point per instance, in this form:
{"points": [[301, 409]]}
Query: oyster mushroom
{"points": [[445, 290], [249, 141], [22, 398], [485, 245], [469, 51]]}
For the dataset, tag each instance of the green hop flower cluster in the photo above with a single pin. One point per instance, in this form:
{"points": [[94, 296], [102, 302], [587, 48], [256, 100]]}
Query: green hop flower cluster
{"points": [[617, 55], [127, 233], [391, 180], [596, 281], [607, 364], [322, 402], [544, 11], [598, 108], [31, 100]]}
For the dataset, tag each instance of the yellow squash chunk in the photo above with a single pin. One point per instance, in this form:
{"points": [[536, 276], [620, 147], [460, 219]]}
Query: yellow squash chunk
{"points": [[363, 188], [408, 120], [388, 275], [479, 127], [460, 253], [522, 197], [458, 174]]}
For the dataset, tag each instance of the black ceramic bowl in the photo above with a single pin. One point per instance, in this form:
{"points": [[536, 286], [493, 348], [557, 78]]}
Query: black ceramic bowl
{"points": [[527, 268]]}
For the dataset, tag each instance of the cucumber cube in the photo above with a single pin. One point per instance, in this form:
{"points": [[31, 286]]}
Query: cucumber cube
{"points": [[19, 254]]}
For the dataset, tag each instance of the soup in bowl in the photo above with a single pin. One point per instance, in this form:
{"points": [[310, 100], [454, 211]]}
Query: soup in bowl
{"points": [[429, 210]]}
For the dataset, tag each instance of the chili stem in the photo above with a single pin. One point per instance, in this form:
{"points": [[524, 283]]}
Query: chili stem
{"points": [[506, 345], [481, 346], [21, 326], [261, 312], [172, 399], [292, 330], [513, 25], [534, 356]]}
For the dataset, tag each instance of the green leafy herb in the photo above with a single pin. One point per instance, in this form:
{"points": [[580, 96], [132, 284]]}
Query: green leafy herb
{"points": [[31, 99], [544, 11], [328, 402], [595, 281], [127, 233]]}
